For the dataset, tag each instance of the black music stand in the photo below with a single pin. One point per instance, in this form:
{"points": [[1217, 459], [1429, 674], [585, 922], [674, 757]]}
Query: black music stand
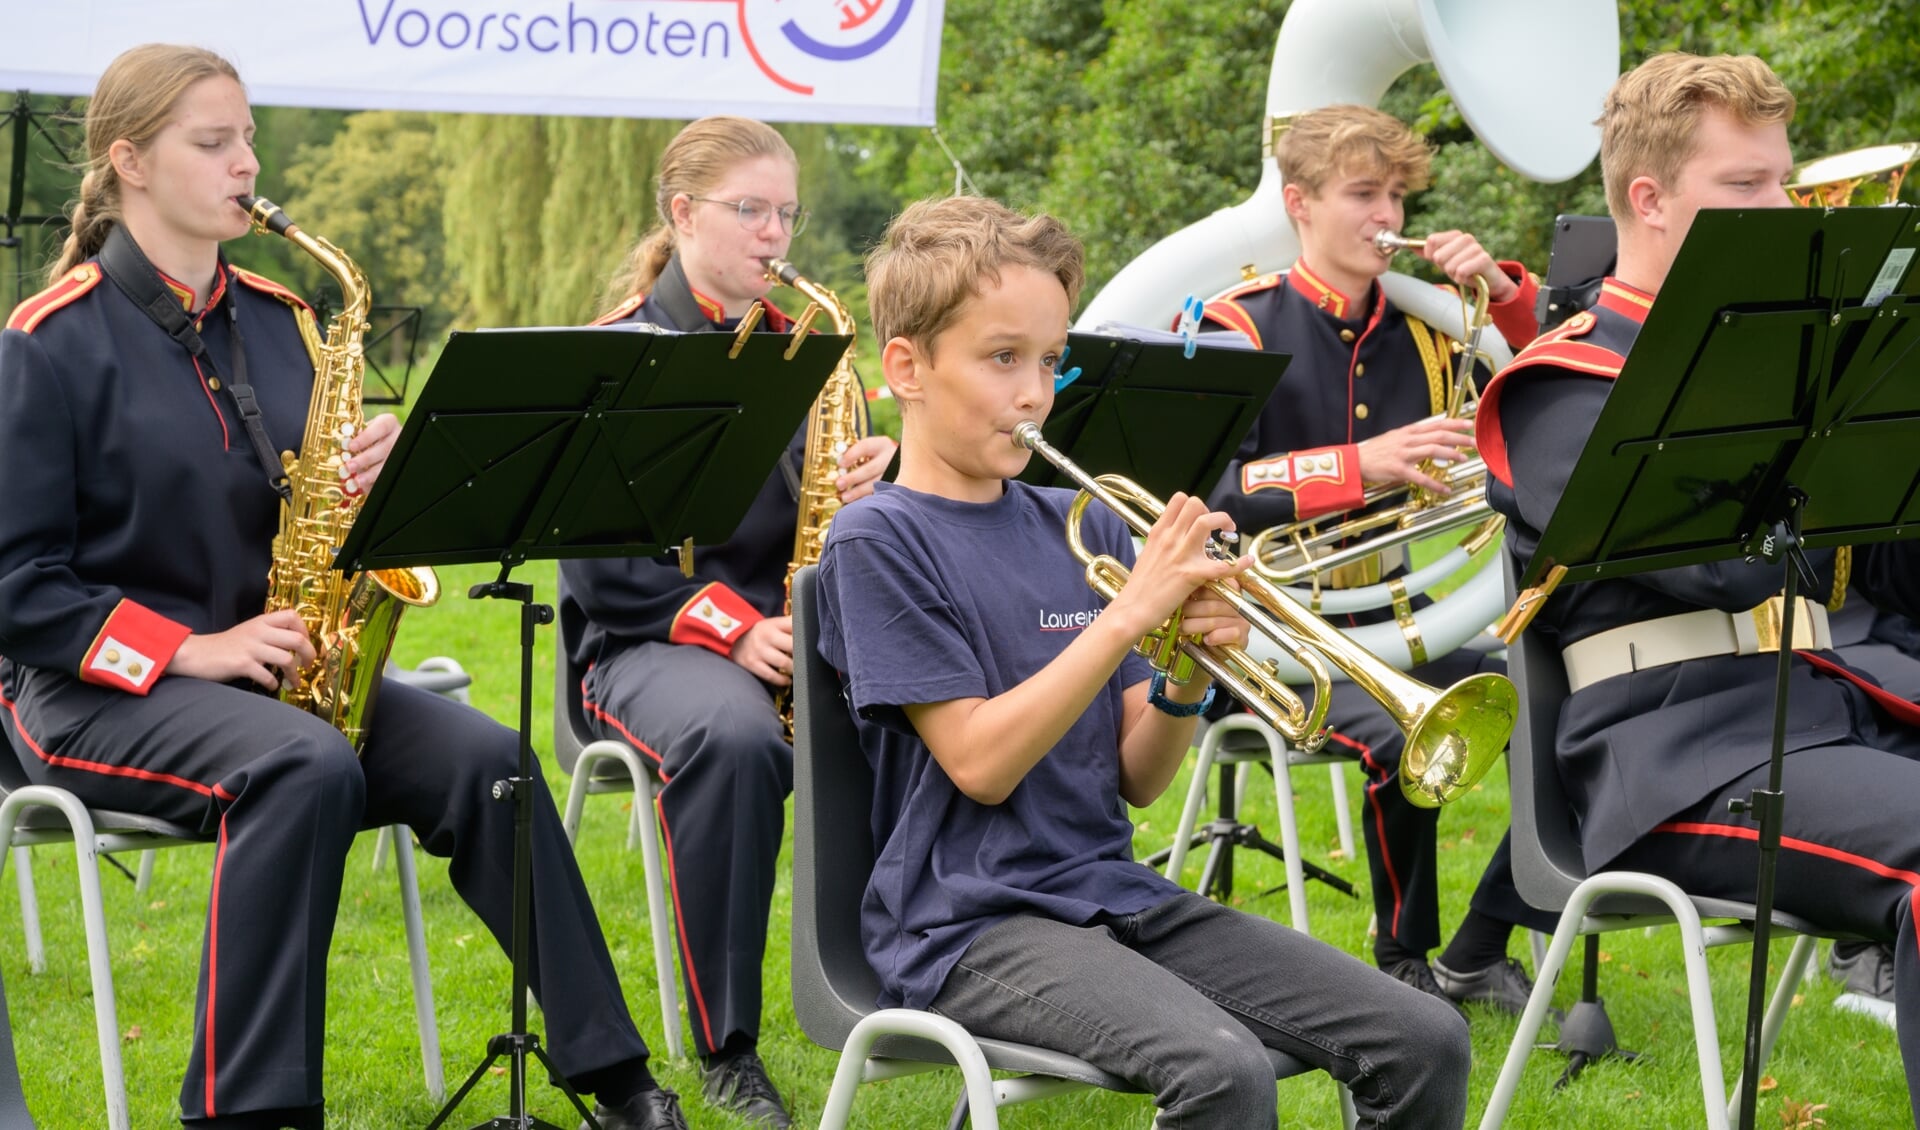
{"points": [[1769, 406], [1172, 422], [584, 442], [24, 121]]}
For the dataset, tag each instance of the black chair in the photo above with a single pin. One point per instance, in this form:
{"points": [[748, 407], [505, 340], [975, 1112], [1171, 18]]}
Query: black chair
{"points": [[598, 765], [833, 986], [1551, 874]]}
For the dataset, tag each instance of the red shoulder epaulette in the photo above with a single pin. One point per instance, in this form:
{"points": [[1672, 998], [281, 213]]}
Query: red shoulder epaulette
{"points": [[618, 312], [265, 285], [68, 289], [1226, 310], [1560, 348]]}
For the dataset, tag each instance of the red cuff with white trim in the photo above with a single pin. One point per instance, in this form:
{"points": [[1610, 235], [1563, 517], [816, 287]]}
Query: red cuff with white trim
{"points": [[1515, 318], [715, 618], [1324, 480], [133, 647]]}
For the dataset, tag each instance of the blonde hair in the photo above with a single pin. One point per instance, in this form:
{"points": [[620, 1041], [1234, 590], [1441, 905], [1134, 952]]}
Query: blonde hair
{"points": [[133, 101], [1650, 121], [1348, 140], [939, 253], [699, 157]]}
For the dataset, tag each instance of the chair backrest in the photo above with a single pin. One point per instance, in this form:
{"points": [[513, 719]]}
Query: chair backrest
{"points": [[1547, 863], [833, 986]]}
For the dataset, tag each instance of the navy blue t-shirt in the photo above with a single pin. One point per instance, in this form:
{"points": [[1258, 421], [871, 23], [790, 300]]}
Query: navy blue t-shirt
{"points": [[924, 599]]}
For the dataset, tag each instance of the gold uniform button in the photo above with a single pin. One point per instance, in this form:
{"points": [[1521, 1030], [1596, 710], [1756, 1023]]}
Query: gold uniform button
{"points": [[1360, 411], [133, 670], [1359, 370], [111, 656], [213, 383], [1346, 335]]}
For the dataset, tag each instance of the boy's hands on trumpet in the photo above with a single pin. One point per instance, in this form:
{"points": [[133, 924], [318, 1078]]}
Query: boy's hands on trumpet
{"points": [[1172, 572]]}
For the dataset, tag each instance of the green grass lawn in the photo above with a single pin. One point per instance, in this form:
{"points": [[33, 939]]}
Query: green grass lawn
{"points": [[373, 1066]]}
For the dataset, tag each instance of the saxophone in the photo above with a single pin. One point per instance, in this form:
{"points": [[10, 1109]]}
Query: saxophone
{"points": [[837, 420], [350, 617]]}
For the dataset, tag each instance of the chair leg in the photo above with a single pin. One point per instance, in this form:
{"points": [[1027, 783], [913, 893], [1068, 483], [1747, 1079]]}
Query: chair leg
{"points": [[576, 800], [652, 873], [1342, 815], [1705, 1033], [29, 910], [403, 865], [1289, 832], [86, 851], [1790, 977], [910, 1022], [382, 840], [144, 880], [1196, 796]]}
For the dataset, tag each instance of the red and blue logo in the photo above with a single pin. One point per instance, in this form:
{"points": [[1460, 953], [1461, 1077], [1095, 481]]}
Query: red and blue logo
{"points": [[801, 32]]}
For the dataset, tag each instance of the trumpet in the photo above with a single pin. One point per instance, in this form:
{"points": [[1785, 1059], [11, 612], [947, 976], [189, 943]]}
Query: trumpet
{"points": [[1453, 736]]}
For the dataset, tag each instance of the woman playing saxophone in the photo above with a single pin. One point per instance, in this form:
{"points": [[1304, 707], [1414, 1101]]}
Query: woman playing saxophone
{"points": [[133, 567]]}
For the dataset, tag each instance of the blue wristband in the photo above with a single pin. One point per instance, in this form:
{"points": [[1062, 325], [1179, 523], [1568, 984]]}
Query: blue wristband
{"points": [[1157, 698]]}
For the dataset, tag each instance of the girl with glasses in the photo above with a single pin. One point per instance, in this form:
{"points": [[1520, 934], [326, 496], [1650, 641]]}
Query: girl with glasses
{"points": [[684, 667]]}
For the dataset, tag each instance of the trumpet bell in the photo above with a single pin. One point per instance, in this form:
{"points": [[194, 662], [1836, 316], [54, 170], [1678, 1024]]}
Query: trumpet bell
{"points": [[1453, 743]]}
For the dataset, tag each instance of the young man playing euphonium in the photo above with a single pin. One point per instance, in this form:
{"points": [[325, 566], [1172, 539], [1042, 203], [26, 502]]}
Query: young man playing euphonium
{"points": [[1361, 406]]}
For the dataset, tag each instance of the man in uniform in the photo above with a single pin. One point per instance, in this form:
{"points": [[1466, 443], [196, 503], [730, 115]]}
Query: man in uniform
{"points": [[1363, 405], [1651, 752]]}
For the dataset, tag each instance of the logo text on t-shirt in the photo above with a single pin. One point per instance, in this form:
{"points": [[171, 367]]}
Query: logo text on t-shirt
{"points": [[1071, 621]]}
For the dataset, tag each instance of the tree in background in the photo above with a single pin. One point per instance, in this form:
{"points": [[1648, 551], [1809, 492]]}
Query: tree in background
{"points": [[374, 190]]}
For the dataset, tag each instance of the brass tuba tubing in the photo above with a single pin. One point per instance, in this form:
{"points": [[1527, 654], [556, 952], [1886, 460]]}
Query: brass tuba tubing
{"points": [[1453, 736]]}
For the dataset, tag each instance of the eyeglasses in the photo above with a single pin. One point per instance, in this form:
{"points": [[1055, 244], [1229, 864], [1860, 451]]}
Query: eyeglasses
{"points": [[754, 212]]}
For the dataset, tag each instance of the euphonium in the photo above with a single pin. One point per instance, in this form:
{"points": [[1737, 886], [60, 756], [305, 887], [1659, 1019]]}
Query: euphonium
{"points": [[1863, 177], [837, 420], [1453, 736], [350, 617]]}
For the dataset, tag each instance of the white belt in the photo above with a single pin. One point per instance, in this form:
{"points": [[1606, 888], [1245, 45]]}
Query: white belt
{"points": [[1691, 635]]}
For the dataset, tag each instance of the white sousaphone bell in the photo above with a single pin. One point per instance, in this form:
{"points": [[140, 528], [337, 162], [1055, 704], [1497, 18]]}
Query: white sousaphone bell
{"points": [[1529, 77]]}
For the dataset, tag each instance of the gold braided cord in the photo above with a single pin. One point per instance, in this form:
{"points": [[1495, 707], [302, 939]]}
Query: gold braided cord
{"points": [[1434, 347], [1842, 574]]}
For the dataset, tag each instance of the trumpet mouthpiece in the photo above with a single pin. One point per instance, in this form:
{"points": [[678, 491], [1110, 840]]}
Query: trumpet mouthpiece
{"points": [[1387, 242], [1026, 434]]}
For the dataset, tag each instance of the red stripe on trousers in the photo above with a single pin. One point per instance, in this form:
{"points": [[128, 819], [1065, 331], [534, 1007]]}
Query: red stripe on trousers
{"points": [[213, 955], [1380, 780], [1791, 843]]}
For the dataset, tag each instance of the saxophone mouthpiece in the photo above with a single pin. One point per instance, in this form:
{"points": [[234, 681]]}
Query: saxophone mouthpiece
{"points": [[264, 213], [781, 271]]}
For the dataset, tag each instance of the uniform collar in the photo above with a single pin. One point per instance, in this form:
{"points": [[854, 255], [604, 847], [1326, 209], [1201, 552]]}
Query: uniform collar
{"points": [[1319, 292], [1628, 301], [185, 293]]}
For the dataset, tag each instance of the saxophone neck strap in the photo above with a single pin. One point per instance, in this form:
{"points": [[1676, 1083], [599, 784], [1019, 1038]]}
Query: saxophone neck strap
{"points": [[122, 261]]}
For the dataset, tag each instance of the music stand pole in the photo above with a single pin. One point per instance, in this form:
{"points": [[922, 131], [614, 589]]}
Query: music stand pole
{"points": [[516, 1045]]}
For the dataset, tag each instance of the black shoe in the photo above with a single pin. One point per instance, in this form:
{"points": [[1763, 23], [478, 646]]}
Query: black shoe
{"points": [[658, 1109], [1867, 974], [1419, 974], [1504, 985], [739, 1083]]}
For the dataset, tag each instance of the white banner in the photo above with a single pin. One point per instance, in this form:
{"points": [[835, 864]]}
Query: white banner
{"points": [[873, 61]]}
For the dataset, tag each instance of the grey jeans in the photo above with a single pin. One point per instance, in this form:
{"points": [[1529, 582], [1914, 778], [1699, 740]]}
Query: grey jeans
{"points": [[1182, 999]]}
